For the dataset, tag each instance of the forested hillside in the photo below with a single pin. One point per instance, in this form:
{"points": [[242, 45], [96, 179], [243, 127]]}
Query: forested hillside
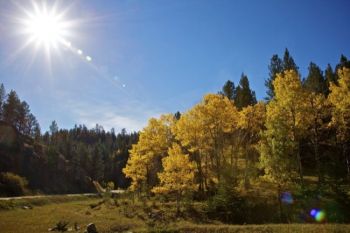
{"points": [[59, 161]]}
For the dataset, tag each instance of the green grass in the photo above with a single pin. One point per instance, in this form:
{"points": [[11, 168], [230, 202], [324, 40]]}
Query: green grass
{"points": [[126, 215]]}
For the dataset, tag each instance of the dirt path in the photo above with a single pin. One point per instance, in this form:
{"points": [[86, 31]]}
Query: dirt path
{"points": [[41, 196], [67, 195]]}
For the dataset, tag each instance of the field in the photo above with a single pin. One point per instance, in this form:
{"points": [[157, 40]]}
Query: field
{"points": [[124, 215]]}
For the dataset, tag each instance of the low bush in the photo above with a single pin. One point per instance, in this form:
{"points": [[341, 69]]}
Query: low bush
{"points": [[12, 184], [227, 206]]}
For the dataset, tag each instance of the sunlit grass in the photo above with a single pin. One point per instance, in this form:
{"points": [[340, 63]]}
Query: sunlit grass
{"points": [[135, 216]]}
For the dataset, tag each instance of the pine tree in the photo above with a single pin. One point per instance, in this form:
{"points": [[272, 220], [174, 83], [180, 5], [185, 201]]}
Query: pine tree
{"points": [[330, 77], [228, 90], [53, 127], [97, 165], [22, 120], [343, 62], [177, 115], [11, 109], [244, 95], [275, 67], [2, 99], [315, 82], [288, 62]]}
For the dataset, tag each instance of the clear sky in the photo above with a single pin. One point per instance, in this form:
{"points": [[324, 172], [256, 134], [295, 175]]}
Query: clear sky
{"points": [[153, 57]]}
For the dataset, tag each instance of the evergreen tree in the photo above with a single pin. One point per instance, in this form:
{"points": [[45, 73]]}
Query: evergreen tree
{"points": [[315, 81], [244, 95], [53, 128], [330, 77], [97, 165], [275, 67], [36, 131], [288, 62], [177, 115], [32, 126], [11, 109], [2, 99], [22, 119], [343, 62], [228, 90]]}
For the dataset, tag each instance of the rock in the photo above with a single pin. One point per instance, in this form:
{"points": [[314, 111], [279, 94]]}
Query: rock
{"points": [[91, 228], [76, 226], [27, 207]]}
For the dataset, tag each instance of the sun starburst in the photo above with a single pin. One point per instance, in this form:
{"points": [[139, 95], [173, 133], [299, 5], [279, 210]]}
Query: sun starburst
{"points": [[44, 28]]}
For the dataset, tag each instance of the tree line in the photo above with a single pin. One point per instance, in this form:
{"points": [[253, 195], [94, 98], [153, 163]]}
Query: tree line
{"points": [[60, 160]]}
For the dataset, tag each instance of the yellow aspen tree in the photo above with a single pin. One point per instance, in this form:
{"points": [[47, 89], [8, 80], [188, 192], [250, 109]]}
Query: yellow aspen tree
{"points": [[145, 156], [203, 130], [189, 131], [285, 124], [220, 119], [289, 106], [317, 111], [340, 100], [251, 123], [136, 169], [177, 177]]}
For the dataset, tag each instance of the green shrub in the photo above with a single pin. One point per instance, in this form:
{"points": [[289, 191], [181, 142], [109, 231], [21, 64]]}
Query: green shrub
{"points": [[227, 206], [12, 184]]}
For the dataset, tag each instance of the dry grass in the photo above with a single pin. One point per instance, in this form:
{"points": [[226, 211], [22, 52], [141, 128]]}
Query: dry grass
{"points": [[40, 218]]}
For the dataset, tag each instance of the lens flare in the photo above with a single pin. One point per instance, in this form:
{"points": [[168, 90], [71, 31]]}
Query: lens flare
{"points": [[287, 198], [318, 215], [313, 212]]}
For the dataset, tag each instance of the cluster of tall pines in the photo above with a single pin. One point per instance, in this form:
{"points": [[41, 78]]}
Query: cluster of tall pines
{"points": [[58, 161]]}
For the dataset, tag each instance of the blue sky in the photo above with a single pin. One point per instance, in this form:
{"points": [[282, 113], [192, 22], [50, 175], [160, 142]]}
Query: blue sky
{"points": [[154, 57]]}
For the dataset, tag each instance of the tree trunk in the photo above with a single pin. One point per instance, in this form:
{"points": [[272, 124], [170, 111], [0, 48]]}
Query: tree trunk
{"points": [[300, 166], [177, 204], [246, 169], [347, 159], [318, 162], [279, 202], [200, 173]]}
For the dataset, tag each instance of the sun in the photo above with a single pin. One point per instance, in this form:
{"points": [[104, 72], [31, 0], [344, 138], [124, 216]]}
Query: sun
{"points": [[45, 26], [47, 29]]}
